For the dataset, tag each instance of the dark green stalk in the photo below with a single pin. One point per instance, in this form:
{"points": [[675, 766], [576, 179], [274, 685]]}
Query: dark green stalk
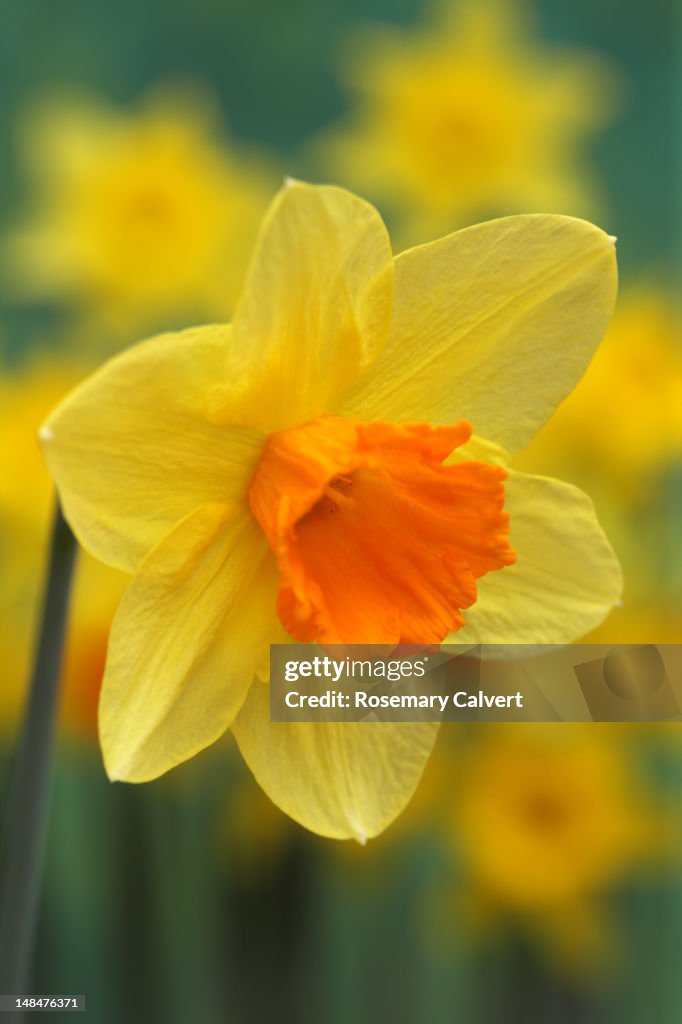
{"points": [[26, 814]]}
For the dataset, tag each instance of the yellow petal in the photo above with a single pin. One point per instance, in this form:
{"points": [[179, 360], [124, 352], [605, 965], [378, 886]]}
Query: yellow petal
{"points": [[566, 577], [317, 304], [185, 643], [344, 780], [138, 445], [494, 324]]}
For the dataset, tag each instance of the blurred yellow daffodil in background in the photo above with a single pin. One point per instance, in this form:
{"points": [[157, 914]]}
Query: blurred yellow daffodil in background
{"points": [[137, 217], [26, 499], [25, 507], [26, 396], [544, 821], [299, 472], [96, 593], [619, 434], [623, 422], [468, 116]]}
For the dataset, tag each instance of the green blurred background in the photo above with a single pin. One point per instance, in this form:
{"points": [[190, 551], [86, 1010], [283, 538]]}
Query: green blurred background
{"points": [[537, 874]]}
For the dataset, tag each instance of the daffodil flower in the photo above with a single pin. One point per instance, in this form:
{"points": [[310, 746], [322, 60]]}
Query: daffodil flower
{"points": [[311, 472]]}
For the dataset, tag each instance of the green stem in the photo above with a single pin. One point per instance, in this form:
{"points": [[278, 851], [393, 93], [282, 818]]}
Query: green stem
{"points": [[26, 814]]}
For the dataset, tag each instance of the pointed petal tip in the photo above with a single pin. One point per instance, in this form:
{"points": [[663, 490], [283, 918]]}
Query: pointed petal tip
{"points": [[114, 770], [360, 835], [612, 239], [126, 773], [46, 434], [111, 773]]}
